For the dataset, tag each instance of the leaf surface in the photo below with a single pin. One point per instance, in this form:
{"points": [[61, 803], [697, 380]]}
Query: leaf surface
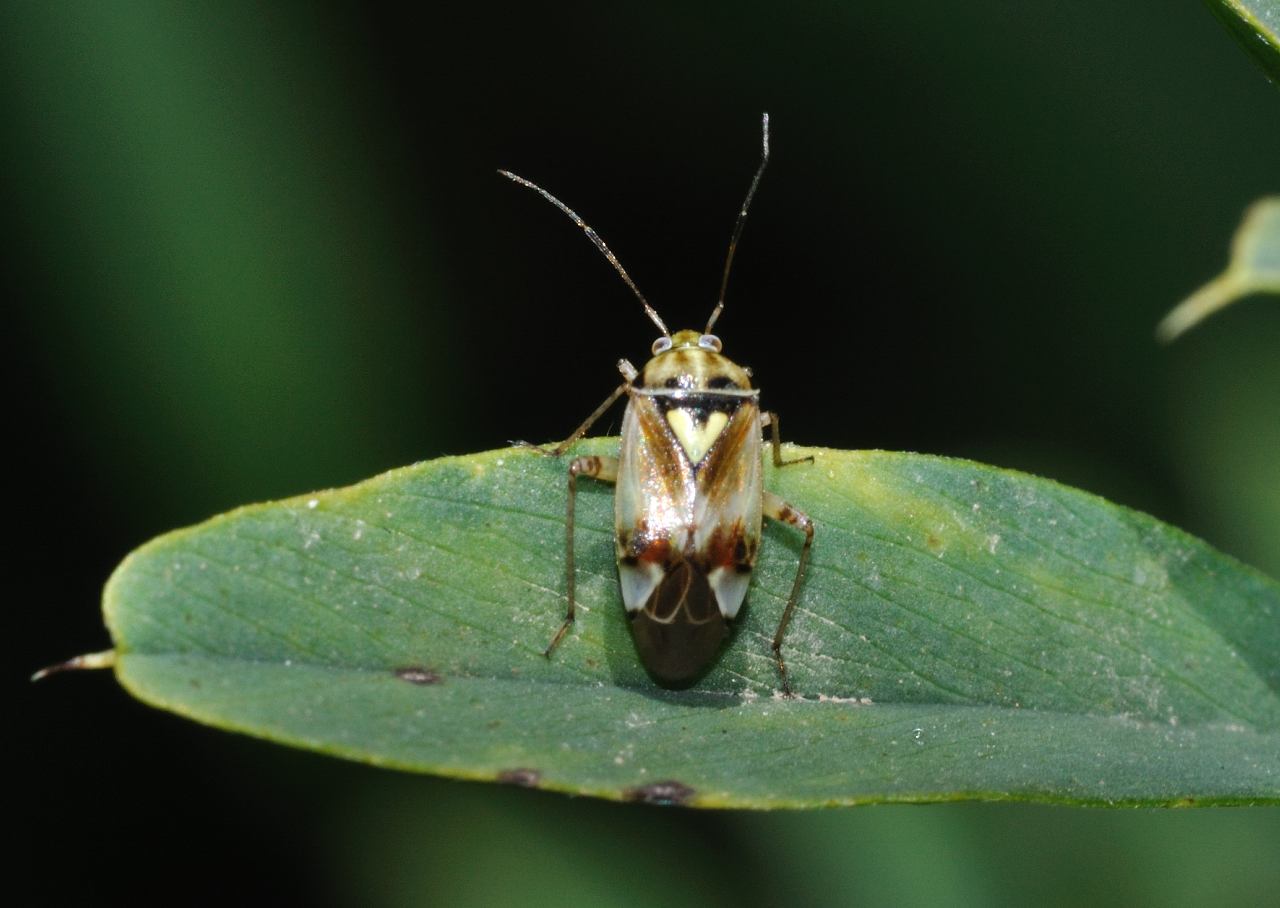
{"points": [[963, 632]]}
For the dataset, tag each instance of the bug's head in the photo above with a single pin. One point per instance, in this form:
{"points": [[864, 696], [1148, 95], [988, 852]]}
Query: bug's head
{"points": [[687, 339], [691, 361]]}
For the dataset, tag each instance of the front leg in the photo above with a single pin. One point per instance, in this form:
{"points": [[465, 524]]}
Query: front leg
{"points": [[606, 470], [629, 374], [582, 429], [777, 509], [771, 419]]}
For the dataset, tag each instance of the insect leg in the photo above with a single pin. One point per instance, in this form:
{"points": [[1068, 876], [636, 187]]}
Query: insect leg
{"points": [[606, 470], [582, 429], [777, 509], [771, 419]]}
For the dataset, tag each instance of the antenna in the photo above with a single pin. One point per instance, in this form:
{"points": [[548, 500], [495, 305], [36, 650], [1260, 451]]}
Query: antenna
{"points": [[595, 238], [737, 228]]}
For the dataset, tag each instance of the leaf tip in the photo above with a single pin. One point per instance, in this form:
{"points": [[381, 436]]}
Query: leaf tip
{"points": [[1220, 292], [85, 662]]}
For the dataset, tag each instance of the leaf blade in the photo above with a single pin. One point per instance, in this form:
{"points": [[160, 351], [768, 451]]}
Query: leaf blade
{"points": [[960, 600], [1115, 770]]}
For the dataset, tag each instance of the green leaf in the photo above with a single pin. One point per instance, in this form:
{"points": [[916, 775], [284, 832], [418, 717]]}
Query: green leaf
{"points": [[1254, 268], [1256, 24], [964, 632]]}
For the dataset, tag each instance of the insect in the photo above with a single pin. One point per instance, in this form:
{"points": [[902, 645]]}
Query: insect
{"points": [[690, 494]]}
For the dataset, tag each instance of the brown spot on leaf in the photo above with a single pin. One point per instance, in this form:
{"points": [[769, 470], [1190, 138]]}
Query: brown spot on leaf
{"points": [[525, 778], [668, 794], [932, 541], [416, 674]]}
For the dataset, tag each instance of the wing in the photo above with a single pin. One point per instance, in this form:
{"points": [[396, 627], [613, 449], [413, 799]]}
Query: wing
{"points": [[671, 508], [729, 479], [656, 482], [653, 503], [727, 507]]}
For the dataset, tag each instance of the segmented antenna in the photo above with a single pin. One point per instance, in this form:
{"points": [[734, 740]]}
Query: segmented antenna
{"points": [[737, 228], [595, 238]]}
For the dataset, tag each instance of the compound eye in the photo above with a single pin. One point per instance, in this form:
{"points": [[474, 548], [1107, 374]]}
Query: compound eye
{"points": [[661, 345], [709, 342]]}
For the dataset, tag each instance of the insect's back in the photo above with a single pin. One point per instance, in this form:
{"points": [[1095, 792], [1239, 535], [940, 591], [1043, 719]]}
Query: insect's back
{"points": [[688, 505]]}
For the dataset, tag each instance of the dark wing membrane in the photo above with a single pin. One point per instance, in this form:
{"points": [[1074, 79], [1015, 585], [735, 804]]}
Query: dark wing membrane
{"points": [[680, 630]]}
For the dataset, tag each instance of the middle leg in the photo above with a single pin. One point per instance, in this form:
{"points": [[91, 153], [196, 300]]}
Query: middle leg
{"points": [[777, 509], [606, 470]]}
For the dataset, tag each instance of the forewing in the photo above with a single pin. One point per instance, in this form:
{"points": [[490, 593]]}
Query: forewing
{"points": [[729, 481], [669, 509], [727, 507], [656, 483]]}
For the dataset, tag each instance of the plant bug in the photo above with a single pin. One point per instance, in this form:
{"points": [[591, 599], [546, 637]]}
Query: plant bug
{"points": [[690, 494]]}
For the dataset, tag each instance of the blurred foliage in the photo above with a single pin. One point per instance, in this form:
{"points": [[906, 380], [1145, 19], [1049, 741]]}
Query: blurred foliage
{"points": [[1256, 24], [257, 250], [1254, 268], [515, 847]]}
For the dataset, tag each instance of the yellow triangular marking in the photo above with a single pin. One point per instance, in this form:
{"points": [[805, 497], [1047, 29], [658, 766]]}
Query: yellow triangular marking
{"points": [[696, 439]]}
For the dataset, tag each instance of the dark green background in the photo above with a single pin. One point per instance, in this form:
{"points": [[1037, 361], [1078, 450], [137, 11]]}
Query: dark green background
{"points": [[252, 252]]}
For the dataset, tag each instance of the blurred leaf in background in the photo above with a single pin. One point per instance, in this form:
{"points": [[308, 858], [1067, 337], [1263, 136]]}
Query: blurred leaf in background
{"points": [[1254, 268], [233, 302], [1256, 24], [254, 251], [404, 837]]}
